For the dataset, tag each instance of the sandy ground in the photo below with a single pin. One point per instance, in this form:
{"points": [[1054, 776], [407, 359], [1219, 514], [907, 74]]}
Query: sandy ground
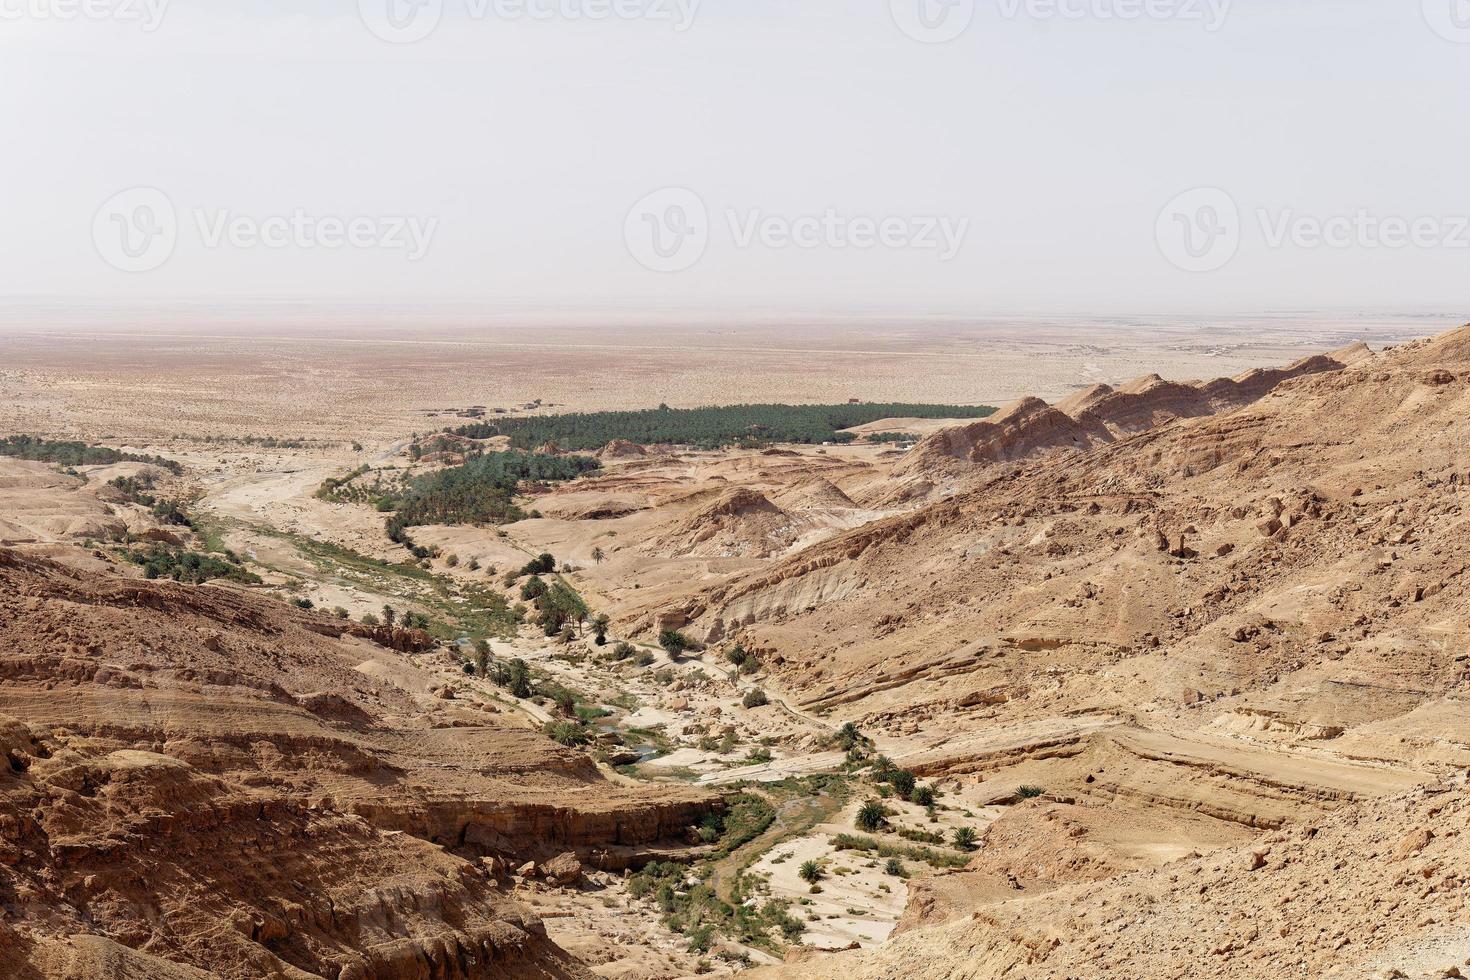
{"points": [[168, 378]]}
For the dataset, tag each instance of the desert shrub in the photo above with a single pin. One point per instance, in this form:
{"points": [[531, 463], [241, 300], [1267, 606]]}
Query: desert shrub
{"points": [[893, 866], [1029, 792], [964, 838], [567, 733], [920, 836], [923, 796], [755, 698], [810, 872], [190, 567]]}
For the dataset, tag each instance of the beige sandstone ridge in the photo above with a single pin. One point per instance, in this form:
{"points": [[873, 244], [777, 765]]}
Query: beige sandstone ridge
{"points": [[200, 781], [1194, 614]]}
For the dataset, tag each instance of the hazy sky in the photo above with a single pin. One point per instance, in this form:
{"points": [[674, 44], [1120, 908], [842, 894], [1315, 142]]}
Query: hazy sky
{"points": [[824, 154]]}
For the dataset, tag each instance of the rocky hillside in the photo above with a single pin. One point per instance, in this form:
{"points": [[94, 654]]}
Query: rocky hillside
{"points": [[201, 781], [1264, 565], [1191, 628], [1378, 891]]}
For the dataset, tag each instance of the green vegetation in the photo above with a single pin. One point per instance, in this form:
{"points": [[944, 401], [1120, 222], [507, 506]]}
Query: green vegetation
{"points": [[755, 698], [514, 676], [964, 838], [871, 816], [893, 437], [810, 872], [699, 915], [894, 866], [850, 739], [454, 608], [76, 453], [708, 428], [135, 489], [920, 836], [696, 910], [189, 566], [482, 491], [674, 642], [331, 488], [939, 859], [1029, 792], [568, 733]]}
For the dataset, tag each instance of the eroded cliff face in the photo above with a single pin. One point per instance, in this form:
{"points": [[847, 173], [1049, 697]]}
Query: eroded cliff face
{"points": [[198, 781]]}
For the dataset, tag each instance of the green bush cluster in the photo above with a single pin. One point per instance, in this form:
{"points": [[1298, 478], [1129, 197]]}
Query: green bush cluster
{"points": [[482, 491], [77, 453], [190, 566], [707, 428]]}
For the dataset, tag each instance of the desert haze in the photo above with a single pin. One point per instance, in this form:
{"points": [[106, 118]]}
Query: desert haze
{"points": [[944, 649]]}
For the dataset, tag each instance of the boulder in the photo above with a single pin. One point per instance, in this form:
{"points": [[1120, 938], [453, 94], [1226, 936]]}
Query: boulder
{"points": [[562, 870]]}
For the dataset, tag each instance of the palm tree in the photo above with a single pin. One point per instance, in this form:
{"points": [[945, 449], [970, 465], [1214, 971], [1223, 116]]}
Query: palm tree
{"points": [[597, 555], [964, 838], [871, 816], [811, 872]]}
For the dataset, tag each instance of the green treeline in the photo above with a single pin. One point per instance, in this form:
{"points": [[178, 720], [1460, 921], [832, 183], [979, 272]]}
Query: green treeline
{"points": [[76, 453], [482, 491], [707, 428]]}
